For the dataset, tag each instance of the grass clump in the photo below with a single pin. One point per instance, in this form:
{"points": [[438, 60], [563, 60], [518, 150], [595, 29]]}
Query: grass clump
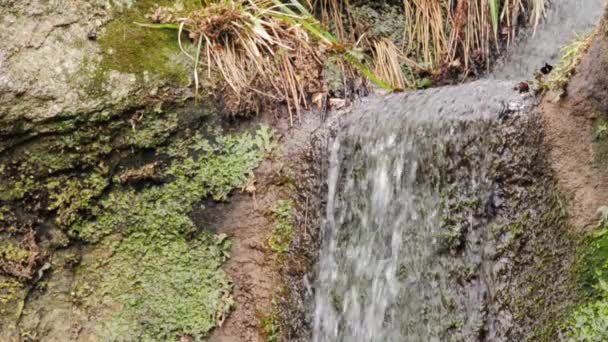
{"points": [[283, 229], [438, 35], [266, 51], [572, 55]]}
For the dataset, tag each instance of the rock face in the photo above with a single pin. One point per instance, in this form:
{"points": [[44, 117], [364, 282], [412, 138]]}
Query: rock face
{"points": [[61, 58], [82, 94]]}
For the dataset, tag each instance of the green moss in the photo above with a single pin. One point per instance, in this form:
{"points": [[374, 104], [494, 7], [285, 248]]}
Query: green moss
{"points": [[12, 253], [572, 55], [17, 190], [153, 132], [283, 229], [271, 329], [70, 196], [601, 142], [217, 169], [382, 20], [165, 274], [9, 293], [174, 288], [588, 321], [593, 263], [3, 211], [129, 48]]}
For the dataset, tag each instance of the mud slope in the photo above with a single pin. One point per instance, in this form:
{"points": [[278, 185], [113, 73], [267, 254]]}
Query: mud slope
{"points": [[576, 152]]}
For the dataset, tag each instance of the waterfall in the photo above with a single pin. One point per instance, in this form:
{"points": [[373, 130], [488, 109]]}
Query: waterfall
{"points": [[431, 194], [395, 239]]}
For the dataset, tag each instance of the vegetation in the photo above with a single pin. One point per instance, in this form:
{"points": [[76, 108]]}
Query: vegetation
{"points": [[131, 49], [572, 55], [271, 329], [263, 50], [269, 51], [589, 320], [283, 229], [8, 294], [18, 259], [164, 272], [446, 33]]}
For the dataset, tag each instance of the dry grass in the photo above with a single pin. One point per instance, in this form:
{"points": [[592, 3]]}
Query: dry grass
{"points": [[462, 33], [258, 55], [388, 62], [265, 51]]}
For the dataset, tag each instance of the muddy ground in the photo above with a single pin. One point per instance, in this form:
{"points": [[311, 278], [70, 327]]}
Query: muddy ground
{"points": [[577, 153], [260, 275]]}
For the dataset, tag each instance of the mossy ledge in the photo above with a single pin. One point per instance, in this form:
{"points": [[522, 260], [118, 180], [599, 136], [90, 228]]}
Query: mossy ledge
{"points": [[124, 189]]}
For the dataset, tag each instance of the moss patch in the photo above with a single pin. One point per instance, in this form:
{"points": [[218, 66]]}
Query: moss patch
{"points": [[589, 320], [9, 294], [271, 329], [168, 287], [214, 171], [71, 195], [163, 272], [601, 142], [129, 48], [572, 55]]}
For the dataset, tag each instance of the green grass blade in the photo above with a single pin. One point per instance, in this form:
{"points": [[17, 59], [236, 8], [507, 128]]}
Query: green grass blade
{"points": [[494, 12], [350, 58], [159, 26]]}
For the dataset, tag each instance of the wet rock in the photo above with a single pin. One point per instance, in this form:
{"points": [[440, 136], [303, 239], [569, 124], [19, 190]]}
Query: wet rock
{"points": [[443, 220]]}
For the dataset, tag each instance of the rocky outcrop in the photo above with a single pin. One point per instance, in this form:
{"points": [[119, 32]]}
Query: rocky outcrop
{"points": [[61, 59]]}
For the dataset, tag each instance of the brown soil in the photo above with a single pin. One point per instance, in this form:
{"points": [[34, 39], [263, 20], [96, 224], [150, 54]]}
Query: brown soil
{"points": [[253, 267], [569, 133], [252, 264]]}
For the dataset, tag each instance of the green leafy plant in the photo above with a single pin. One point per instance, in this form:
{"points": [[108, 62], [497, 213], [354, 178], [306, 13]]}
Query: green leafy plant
{"points": [[283, 229], [494, 12], [271, 329]]}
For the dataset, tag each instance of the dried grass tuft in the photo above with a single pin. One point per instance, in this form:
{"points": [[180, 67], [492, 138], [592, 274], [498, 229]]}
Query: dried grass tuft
{"points": [[441, 33], [266, 52]]}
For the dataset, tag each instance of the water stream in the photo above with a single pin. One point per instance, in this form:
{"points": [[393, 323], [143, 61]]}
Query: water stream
{"points": [[427, 192], [563, 22]]}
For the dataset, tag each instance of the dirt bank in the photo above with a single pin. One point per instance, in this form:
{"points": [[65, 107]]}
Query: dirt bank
{"points": [[576, 151], [257, 267]]}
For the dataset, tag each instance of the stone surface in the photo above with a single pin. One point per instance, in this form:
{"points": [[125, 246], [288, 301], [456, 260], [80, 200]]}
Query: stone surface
{"points": [[50, 57]]}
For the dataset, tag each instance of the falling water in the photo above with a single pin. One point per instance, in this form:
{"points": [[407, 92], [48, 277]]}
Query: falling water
{"points": [[396, 171], [427, 193], [564, 20]]}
